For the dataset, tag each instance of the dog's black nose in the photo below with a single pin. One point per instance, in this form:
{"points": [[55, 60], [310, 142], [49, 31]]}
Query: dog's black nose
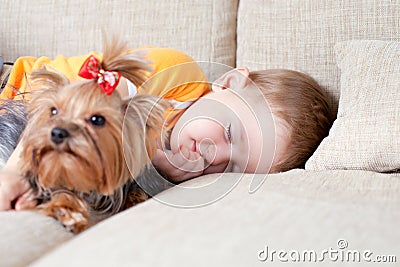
{"points": [[58, 135]]}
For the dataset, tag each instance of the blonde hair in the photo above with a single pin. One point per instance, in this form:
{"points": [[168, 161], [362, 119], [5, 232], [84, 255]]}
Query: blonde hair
{"points": [[299, 100]]}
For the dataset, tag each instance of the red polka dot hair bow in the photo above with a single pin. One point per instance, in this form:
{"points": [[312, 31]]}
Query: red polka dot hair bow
{"points": [[108, 80]]}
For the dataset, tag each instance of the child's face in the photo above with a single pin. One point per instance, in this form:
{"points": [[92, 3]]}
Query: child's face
{"points": [[231, 131]]}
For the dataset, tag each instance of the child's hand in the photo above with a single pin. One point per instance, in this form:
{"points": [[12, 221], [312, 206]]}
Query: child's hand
{"points": [[14, 191], [181, 166]]}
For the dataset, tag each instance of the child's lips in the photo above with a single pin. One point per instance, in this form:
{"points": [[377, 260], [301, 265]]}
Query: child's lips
{"points": [[194, 148]]}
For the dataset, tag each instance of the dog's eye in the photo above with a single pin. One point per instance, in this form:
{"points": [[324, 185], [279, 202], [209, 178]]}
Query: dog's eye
{"points": [[53, 111], [97, 120]]}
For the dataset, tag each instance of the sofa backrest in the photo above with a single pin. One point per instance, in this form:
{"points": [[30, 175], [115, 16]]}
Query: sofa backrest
{"points": [[204, 29], [259, 34], [301, 35]]}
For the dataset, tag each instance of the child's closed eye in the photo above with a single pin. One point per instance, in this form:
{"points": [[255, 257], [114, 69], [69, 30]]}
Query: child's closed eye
{"points": [[228, 132]]}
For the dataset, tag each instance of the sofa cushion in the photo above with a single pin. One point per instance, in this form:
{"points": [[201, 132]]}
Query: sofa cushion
{"points": [[365, 134], [301, 35], [75, 27], [296, 210], [26, 236]]}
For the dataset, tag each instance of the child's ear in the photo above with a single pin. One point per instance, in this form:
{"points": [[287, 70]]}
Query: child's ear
{"points": [[235, 79]]}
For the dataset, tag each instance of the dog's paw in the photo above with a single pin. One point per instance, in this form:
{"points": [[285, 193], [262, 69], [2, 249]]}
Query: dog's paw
{"points": [[73, 221], [68, 210]]}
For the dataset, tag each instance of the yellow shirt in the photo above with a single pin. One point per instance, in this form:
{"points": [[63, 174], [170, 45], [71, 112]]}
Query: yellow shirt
{"points": [[176, 77]]}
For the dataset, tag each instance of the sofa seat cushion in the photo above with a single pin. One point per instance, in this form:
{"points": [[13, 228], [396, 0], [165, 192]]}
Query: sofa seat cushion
{"points": [[26, 236], [296, 210]]}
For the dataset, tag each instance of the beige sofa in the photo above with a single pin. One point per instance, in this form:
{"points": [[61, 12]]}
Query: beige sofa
{"points": [[344, 207]]}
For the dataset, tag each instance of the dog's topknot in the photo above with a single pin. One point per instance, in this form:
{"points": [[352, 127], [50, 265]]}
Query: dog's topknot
{"points": [[131, 65]]}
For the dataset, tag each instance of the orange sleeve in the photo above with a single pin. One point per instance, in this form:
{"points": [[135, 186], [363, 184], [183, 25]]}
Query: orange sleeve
{"points": [[16, 80], [176, 77], [23, 66]]}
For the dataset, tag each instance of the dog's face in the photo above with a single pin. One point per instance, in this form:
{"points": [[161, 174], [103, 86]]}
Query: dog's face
{"points": [[76, 136]]}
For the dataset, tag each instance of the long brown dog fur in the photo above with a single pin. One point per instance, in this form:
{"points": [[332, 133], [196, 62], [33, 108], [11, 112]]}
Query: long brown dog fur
{"points": [[90, 175]]}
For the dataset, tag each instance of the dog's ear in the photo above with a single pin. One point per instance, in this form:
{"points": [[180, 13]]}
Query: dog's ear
{"points": [[143, 126], [44, 79], [44, 86]]}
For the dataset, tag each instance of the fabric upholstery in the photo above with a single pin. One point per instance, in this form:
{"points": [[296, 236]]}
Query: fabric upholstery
{"points": [[301, 35], [296, 210], [366, 132], [51, 27], [26, 236]]}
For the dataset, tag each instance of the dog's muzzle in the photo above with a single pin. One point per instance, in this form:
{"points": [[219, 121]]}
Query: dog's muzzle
{"points": [[58, 135]]}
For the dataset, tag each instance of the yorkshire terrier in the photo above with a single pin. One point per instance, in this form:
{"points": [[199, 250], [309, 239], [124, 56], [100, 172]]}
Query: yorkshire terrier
{"points": [[84, 145]]}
